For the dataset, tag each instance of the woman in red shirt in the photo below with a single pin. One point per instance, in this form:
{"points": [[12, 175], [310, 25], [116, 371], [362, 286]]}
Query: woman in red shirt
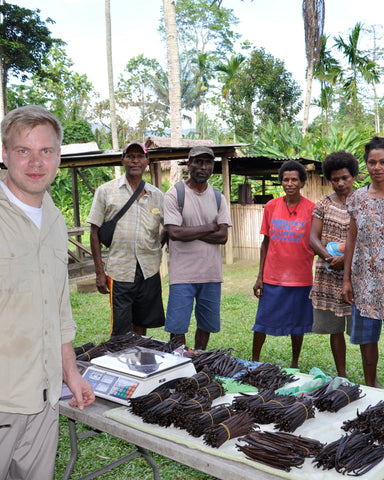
{"points": [[285, 274]]}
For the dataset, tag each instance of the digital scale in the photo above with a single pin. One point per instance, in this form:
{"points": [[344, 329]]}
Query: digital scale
{"points": [[135, 371]]}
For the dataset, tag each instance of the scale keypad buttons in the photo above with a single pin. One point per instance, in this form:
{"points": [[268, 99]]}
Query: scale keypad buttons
{"points": [[109, 385]]}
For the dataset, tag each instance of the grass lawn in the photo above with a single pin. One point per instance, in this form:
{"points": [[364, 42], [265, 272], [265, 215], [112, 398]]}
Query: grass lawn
{"points": [[238, 309]]}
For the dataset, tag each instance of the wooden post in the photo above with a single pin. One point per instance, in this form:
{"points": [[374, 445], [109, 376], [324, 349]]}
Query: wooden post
{"points": [[76, 210], [156, 178], [227, 195]]}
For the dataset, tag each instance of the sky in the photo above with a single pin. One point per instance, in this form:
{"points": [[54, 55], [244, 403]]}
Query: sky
{"points": [[275, 25]]}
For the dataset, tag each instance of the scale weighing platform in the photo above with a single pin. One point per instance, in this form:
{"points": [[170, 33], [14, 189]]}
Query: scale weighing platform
{"points": [[134, 372]]}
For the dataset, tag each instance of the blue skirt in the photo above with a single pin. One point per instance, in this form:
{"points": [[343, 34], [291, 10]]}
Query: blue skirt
{"points": [[284, 311]]}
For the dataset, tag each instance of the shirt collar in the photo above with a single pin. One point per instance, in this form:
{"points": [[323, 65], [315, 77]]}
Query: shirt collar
{"points": [[124, 182]]}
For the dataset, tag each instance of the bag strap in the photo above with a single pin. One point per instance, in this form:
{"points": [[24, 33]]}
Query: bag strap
{"points": [[135, 194], [218, 198], [180, 190]]}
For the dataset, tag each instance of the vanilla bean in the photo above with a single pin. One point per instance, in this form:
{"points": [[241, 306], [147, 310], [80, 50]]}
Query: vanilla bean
{"points": [[293, 416], [139, 405], [161, 413], [190, 385], [353, 454], [371, 420], [266, 412], [334, 400], [279, 450], [248, 402], [236, 426], [266, 376], [189, 408], [219, 361], [197, 424], [213, 390]]}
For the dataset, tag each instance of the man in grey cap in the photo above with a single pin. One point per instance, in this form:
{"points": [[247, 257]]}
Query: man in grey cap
{"points": [[131, 274], [197, 220]]}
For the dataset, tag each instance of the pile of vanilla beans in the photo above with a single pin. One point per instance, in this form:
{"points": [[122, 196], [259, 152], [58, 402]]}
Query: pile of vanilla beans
{"points": [[220, 362], [266, 375], [116, 344], [189, 407]]}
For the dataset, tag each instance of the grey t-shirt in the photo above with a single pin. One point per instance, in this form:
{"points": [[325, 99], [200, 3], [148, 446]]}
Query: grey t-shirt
{"points": [[196, 261]]}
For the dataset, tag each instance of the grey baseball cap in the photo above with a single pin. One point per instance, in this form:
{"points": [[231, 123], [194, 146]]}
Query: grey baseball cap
{"points": [[200, 150]]}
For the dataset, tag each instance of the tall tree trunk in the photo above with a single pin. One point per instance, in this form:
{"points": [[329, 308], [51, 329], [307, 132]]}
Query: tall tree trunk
{"points": [[173, 82], [307, 103], [313, 16], [112, 105]]}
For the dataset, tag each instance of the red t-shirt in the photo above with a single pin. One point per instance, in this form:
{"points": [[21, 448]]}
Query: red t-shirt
{"points": [[289, 258]]}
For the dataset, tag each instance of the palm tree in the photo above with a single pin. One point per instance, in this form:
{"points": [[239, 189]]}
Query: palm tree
{"points": [[229, 71], [313, 16], [360, 66], [327, 71]]}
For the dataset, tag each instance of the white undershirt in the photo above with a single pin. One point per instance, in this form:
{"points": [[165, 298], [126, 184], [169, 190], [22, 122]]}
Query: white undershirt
{"points": [[33, 213]]}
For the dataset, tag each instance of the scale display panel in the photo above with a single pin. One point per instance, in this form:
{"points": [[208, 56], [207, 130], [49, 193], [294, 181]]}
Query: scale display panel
{"points": [[134, 372]]}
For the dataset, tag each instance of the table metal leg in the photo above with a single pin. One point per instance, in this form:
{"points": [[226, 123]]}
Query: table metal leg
{"points": [[74, 438]]}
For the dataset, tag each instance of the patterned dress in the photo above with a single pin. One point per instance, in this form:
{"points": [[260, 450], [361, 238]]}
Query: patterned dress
{"points": [[368, 260], [326, 292]]}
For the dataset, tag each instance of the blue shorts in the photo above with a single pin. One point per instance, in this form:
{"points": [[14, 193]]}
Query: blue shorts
{"points": [[180, 306], [364, 329]]}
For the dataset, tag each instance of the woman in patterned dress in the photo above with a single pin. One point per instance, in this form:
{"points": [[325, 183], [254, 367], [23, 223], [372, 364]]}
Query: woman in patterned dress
{"points": [[331, 314], [363, 285]]}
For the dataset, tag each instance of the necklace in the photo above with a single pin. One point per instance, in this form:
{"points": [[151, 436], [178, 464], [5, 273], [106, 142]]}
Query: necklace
{"points": [[292, 212]]}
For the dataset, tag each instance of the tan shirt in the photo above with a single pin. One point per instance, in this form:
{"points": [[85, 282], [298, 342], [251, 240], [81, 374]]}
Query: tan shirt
{"points": [[35, 310], [196, 261], [137, 233]]}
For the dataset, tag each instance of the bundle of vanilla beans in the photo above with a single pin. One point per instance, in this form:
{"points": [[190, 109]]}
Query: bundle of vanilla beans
{"points": [[213, 390], [353, 454], [190, 385], [83, 348], [220, 362], [266, 412], [139, 405], [198, 424], [338, 398], [161, 413], [279, 450], [288, 419], [188, 408], [267, 376], [236, 426], [249, 402], [371, 420]]}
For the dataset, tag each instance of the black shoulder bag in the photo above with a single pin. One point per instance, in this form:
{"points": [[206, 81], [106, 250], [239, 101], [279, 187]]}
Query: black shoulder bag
{"points": [[107, 229]]}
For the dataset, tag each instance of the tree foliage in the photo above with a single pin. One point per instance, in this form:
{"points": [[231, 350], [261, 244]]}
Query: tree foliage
{"points": [[261, 90], [25, 42], [135, 89], [56, 87], [361, 67]]}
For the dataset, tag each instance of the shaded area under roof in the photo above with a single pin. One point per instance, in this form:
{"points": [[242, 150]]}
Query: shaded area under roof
{"points": [[104, 158]]}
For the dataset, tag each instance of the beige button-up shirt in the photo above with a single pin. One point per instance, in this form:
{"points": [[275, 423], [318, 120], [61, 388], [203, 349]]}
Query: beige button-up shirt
{"points": [[137, 233], [35, 310]]}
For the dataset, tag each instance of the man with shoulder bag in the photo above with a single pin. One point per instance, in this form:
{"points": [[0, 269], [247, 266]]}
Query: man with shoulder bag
{"points": [[127, 214]]}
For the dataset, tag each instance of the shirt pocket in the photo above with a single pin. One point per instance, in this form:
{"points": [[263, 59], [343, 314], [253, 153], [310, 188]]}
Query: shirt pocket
{"points": [[16, 273]]}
